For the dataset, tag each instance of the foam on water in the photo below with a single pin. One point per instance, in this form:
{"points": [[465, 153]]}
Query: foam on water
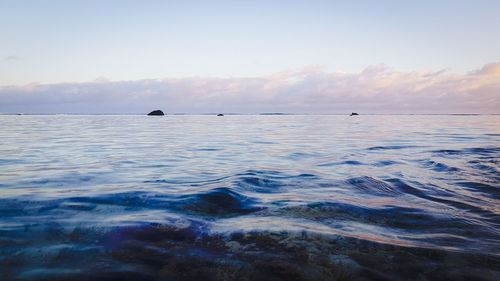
{"points": [[250, 197]]}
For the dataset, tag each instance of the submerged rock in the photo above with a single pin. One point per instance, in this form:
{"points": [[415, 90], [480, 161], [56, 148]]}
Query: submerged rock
{"points": [[233, 246], [156, 113], [354, 113], [220, 114]]}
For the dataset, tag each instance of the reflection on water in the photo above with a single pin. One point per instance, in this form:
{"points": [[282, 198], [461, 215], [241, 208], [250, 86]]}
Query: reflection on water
{"points": [[250, 197]]}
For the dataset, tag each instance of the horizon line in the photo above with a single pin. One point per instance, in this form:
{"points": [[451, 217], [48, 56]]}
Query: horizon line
{"points": [[261, 113]]}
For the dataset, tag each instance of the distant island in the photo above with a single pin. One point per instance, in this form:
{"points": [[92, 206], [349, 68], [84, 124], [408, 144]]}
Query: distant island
{"points": [[156, 113]]}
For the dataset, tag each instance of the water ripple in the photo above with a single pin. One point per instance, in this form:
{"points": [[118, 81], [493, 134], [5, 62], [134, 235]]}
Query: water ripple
{"points": [[296, 197]]}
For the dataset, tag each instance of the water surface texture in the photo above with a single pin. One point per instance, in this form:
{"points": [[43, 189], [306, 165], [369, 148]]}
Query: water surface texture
{"points": [[250, 197]]}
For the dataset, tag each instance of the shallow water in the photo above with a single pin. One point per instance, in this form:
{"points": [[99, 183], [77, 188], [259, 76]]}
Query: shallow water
{"points": [[250, 197]]}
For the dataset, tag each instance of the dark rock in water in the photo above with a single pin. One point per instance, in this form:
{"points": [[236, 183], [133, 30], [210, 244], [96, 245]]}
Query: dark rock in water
{"points": [[156, 113], [354, 113], [220, 114]]}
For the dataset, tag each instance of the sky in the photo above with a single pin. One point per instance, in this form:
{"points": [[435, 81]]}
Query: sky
{"points": [[322, 57]]}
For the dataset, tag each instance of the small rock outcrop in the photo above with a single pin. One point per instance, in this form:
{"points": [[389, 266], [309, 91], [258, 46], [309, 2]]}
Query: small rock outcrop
{"points": [[354, 113], [156, 113], [220, 114]]}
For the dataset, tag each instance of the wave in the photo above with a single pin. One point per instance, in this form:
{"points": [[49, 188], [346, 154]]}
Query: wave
{"points": [[219, 202]]}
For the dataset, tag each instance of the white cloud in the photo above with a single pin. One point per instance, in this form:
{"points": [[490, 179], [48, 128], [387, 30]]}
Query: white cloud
{"points": [[376, 89]]}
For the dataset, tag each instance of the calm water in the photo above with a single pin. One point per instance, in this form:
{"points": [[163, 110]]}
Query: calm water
{"points": [[249, 197]]}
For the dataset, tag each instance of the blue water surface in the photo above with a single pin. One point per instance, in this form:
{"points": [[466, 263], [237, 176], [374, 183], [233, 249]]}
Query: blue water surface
{"points": [[250, 197]]}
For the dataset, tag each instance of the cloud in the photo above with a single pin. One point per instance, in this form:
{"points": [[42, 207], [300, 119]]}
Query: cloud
{"points": [[489, 69], [11, 58], [376, 89]]}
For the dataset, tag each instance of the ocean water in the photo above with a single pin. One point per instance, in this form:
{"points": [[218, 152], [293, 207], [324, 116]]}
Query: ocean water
{"points": [[250, 197]]}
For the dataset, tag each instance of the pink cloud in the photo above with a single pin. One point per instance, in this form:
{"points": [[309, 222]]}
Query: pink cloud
{"points": [[490, 69], [376, 89]]}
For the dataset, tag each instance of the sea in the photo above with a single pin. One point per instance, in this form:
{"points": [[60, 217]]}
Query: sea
{"points": [[250, 197]]}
